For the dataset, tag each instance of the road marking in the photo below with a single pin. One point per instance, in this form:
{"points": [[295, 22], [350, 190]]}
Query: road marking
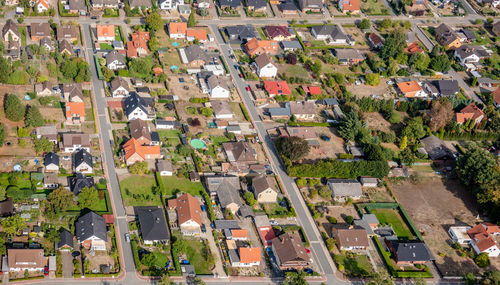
{"points": [[101, 115]]}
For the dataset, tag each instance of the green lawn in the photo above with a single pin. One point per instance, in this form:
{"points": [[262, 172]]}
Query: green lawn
{"points": [[22, 31], [174, 184], [373, 7], [171, 58], [117, 34], [392, 217], [137, 190], [98, 206], [161, 259], [354, 265], [105, 46], [198, 253], [219, 139], [297, 71]]}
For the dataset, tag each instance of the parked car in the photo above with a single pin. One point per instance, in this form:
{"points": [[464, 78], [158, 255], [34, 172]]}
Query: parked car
{"points": [[308, 270], [248, 88], [127, 237], [308, 250], [203, 228], [325, 138], [241, 75], [66, 158], [46, 270]]}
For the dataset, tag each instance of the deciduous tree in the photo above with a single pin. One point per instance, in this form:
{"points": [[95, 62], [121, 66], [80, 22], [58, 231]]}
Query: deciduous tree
{"points": [[294, 148], [441, 114], [60, 199], [13, 224], [87, 197]]}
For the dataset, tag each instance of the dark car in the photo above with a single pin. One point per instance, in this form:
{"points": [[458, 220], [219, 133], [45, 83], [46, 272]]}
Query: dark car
{"points": [[75, 253], [203, 228], [308, 270], [325, 138]]}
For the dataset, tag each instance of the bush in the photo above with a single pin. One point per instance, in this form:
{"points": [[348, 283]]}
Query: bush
{"points": [[394, 118], [339, 169], [482, 260], [332, 220], [140, 167]]}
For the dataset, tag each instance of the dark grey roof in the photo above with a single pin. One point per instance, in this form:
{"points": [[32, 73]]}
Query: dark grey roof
{"points": [[467, 50], [80, 181], [65, 239], [246, 211], [82, 156], [144, 89], [260, 183], [226, 187], [187, 270], [279, 112], [140, 3], [194, 52], [91, 224], [77, 5], [291, 45], [257, 3], [155, 137], [226, 224], [435, 148], [469, 34], [152, 222], [330, 30], [445, 33], [314, 4], [288, 6], [448, 87], [411, 251], [230, 3], [233, 255], [51, 158], [348, 54], [241, 31], [65, 45], [167, 123], [115, 55], [133, 102], [328, 101]]}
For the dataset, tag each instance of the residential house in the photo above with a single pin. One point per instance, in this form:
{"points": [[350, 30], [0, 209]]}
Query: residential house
{"points": [[44, 89], [135, 151], [177, 30], [83, 162], [25, 259], [279, 33], [105, 33], [243, 256], [447, 37], [290, 45], [349, 6], [459, 234], [240, 154], [279, 113], [229, 4], [470, 113], [496, 97], [448, 87], [413, 48], [170, 124], [50, 180], [153, 225], [137, 107], [369, 222], [288, 7], [222, 109], [119, 87], [197, 34], [332, 34], [314, 6], [194, 56], [164, 167], [51, 162], [495, 28], [307, 133], [265, 230], [66, 48], [349, 56], [311, 90], [75, 112], [73, 92], [290, 252], [264, 66], [483, 239], [169, 4], [68, 32], [375, 40], [435, 148], [188, 212], [91, 231], [259, 6], [141, 4], [240, 33], [40, 30], [140, 131], [409, 252], [343, 189], [10, 32], [72, 142], [115, 60], [46, 43], [105, 4], [226, 189], [350, 238], [367, 181], [184, 9], [411, 89], [202, 4], [258, 47], [302, 110], [274, 88], [48, 132], [487, 82], [470, 54], [217, 87], [76, 7], [80, 181], [65, 241], [264, 189]]}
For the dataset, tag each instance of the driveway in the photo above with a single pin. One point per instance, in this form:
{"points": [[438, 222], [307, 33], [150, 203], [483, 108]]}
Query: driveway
{"points": [[67, 264]]}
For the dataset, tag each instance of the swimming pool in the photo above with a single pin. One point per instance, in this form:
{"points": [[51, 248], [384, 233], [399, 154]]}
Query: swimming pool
{"points": [[197, 143]]}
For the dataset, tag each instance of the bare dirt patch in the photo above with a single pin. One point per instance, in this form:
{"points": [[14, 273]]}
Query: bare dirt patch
{"points": [[376, 121], [384, 90], [435, 204]]}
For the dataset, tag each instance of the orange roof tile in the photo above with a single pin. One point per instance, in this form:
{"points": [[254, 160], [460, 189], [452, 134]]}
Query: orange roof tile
{"points": [[239, 233], [75, 108], [188, 208], [350, 5], [200, 35], [255, 46], [249, 254], [177, 27], [105, 31], [140, 35], [414, 48], [409, 86], [132, 146], [470, 112], [277, 88], [496, 95]]}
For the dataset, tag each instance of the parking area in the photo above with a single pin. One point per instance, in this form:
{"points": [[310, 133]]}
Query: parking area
{"points": [[67, 264]]}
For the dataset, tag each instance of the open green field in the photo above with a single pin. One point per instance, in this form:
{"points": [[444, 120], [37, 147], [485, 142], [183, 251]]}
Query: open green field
{"points": [[198, 253], [137, 190], [173, 185], [392, 217]]}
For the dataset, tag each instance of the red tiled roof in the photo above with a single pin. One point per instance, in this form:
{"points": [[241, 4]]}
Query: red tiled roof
{"points": [[496, 95], [414, 48], [198, 34], [481, 235], [249, 254], [105, 31], [75, 108], [409, 86], [187, 207], [471, 112], [276, 31], [132, 146], [177, 28], [350, 5], [277, 88], [266, 235], [108, 218], [312, 90]]}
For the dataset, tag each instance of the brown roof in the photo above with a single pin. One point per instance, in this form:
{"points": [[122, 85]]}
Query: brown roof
{"points": [[496, 94], [351, 237], [302, 107], [26, 258], [6, 207], [261, 183], [221, 107], [71, 139], [263, 60], [470, 112], [67, 32], [139, 129], [40, 30], [240, 151], [481, 235], [302, 132], [188, 208], [289, 248]]}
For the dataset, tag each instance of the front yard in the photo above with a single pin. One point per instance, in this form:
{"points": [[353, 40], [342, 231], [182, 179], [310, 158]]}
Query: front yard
{"points": [[138, 190], [196, 252]]}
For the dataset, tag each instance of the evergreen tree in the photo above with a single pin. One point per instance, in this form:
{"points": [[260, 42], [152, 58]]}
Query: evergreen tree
{"points": [[14, 109]]}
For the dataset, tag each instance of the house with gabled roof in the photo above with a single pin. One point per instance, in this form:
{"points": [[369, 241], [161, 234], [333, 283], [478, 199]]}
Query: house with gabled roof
{"points": [[194, 56], [70, 33], [226, 189], [119, 87], [197, 34], [42, 6], [217, 87], [411, 89], [351, 238], [279, 33], [240, 154], [343, 189], [240, 33], [105, 33], [135, 151], [10, 32], [466, 54], [72, 142], [315, 6], [302, 110], [264, 189], [258, 47], [264, 66], [177, 30], [470, 112], [409, 252], [152, 224], [115, 60], [137, 107], [51, 162], [80, 181], [140, 4], [83, 162], [447, 37], [75, 112], [274, 88], [332, 34], [259, 6], [290, 252], [40, 30], [482, 239], [222, 109], [188, 214], [349, 6], [91, 231], [288, 7], [66, 241], [25, 259], [376, 40], [48, 132], [435, 148]]}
